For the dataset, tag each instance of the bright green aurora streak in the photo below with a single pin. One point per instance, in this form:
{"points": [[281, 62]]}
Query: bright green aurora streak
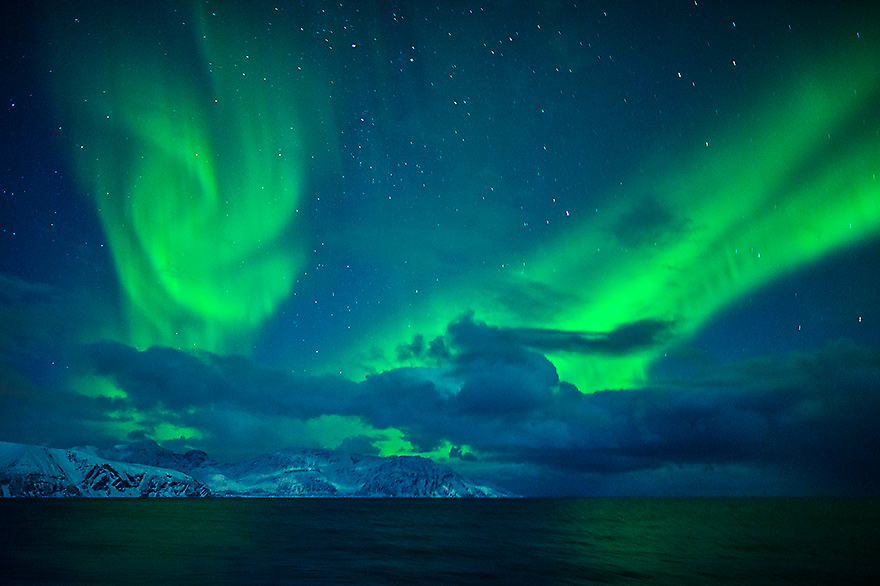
{"points": [[196, 171], [778, 192], [742, 211]]}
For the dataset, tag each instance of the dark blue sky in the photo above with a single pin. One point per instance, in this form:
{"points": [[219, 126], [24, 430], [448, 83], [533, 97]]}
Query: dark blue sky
{"points": [[564, 248]]}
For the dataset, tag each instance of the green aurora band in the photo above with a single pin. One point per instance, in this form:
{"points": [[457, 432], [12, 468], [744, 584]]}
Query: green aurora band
{"points": [[793, 183], [741, 212], [196, 171]]}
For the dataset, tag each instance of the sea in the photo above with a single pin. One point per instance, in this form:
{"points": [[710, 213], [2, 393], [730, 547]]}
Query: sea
{"points": [[440, 541]]}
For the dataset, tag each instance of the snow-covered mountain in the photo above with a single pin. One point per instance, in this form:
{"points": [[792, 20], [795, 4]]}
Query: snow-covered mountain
{"points": [[36, 471], [146, 469]]}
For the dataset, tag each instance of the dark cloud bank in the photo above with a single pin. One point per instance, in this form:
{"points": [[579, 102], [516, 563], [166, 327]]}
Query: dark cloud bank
{"points": [[800, 424]]}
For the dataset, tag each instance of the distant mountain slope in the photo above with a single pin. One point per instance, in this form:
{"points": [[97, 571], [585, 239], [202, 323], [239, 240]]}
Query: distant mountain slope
{"points": [[146, 469], [37, 472]]}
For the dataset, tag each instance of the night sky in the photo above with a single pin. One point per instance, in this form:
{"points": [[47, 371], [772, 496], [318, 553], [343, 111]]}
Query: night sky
{"points": [[621, 248]]}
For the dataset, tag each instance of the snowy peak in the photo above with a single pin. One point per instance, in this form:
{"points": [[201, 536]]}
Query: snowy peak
{"points": [[35, 471], [415, 476], [146, 469], [149, 453], [331, 473]]}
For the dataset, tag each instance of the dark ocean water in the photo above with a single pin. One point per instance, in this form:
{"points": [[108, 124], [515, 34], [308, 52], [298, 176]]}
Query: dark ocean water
{"points": [[377, 541]]}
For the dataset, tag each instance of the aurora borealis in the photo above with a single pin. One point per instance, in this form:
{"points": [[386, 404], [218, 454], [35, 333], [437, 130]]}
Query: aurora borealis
{"points": [[204, 238], [566, 249]]}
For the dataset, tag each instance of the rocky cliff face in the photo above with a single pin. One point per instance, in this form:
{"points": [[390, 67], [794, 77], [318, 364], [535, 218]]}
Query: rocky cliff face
{"points": [[146, 469]]}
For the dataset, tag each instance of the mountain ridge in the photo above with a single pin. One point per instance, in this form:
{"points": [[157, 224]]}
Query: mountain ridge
{"points": [[147, 469]]}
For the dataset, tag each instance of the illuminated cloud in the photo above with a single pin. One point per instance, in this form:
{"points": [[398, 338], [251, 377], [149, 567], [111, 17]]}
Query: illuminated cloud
{"points": [[765, 416]]}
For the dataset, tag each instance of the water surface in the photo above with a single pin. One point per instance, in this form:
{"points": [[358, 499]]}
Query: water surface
{"points": [[434, 541]]}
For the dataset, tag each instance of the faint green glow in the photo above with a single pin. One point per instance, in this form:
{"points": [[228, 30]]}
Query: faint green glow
{"points": [[125, 421], [332, 430], [197, 170], [97, 386], [167, 431]]}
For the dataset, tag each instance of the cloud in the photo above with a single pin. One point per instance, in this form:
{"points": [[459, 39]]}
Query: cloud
{"points": [[807, 419], [158, 376], [471, 336], [506, 388], [41, 323], [37, 414], [359, 444], [466, 338], [177, 380], [433, 351], [456, 452]]}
